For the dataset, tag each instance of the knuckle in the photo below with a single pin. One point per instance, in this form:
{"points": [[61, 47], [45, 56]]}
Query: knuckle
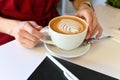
{"points": [[19, 31], [19, 38], [30, 46], [32, 31], [33, 43]]}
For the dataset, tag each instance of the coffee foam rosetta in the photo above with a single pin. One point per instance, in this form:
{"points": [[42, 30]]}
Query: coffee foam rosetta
{"points": [[69, 26]]}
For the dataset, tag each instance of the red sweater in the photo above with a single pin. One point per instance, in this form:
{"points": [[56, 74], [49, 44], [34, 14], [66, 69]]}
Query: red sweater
{"points": [[40, 11]]}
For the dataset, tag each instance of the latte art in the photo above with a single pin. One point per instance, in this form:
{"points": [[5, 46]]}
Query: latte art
{"points": [[69, 26]]}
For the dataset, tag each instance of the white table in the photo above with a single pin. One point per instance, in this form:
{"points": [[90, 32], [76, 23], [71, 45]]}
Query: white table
{"points": [[17, 62]]}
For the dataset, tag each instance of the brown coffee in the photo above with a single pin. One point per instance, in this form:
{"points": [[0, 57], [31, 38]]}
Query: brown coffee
{"points": [[67, 25]]}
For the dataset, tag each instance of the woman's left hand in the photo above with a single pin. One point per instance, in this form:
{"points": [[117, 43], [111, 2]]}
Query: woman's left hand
{"points": [[89, 15]]}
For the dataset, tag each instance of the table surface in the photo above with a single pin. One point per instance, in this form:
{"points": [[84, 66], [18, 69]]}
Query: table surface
{"points": [[17, 62]]}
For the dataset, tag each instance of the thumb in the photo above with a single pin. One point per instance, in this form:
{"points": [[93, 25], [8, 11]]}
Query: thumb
{"points": [[38, 28], [35, 25]]}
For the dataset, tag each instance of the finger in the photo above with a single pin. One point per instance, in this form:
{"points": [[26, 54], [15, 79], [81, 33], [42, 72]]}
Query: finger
{"points": [[25, 35], [29, 36], [32, 31], [79, 14], [88, 35], [94, 24], [28, 43], [39, 28], [89, 19], [100, 30], [94, 31], [35, 25]]}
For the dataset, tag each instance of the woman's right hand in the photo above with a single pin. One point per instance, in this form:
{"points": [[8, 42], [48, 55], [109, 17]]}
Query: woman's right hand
{"points": [[27, 33]]}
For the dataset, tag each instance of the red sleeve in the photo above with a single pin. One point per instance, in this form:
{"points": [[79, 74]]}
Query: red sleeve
{"points": [[41, 11], [4, 38]]}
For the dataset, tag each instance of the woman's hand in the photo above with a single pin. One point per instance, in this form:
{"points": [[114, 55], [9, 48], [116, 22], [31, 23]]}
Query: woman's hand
{"points": [[27, 33], [84, 11]]}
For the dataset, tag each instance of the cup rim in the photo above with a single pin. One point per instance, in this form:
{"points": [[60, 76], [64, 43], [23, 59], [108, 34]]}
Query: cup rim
{"points": [[86, 24]]}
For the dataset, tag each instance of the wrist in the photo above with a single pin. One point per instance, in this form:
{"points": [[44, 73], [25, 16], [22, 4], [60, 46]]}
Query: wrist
{"points": [[7, 25], [14, 27], [87, 3]]}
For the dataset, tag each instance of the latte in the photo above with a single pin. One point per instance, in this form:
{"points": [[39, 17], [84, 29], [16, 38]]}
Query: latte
{"points": [[65, 31], [67, 25]]}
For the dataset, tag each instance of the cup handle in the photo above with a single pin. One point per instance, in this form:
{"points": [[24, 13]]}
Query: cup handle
{"points": [[46, 33]]}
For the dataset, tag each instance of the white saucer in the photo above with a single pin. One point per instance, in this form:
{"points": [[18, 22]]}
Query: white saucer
{"points": [[57, 52]]}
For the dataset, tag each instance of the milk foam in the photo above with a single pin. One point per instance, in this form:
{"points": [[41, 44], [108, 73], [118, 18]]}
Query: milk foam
{"points": [[69, 26]]}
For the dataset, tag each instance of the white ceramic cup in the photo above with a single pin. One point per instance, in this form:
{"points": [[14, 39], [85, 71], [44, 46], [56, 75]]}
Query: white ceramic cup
{"points": [[65, 41]]}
